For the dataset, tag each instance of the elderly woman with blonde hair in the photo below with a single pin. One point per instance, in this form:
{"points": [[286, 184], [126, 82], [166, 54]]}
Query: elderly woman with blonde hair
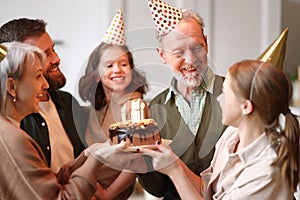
{"points": [[24, 171]]}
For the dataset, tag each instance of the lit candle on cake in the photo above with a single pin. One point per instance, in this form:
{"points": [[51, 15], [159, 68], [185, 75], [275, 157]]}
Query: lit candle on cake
{"points": [[123, 113], [142, 110], [135, 112], [138, 109]]}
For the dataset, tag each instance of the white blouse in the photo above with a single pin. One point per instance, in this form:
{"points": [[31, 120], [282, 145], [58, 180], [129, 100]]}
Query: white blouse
{"points": [[246, 174]]}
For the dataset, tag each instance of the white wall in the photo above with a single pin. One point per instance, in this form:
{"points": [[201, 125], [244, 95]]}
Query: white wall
{"points": [[76, 26], [290, 19], [243, 29], [236, 30]]}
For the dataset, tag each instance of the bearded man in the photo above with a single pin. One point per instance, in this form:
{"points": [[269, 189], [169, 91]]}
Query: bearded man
{"points": [[187, 112], [61, 120]]}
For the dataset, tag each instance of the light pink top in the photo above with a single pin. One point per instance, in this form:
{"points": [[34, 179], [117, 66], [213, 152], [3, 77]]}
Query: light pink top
{"points": [[247, 174]]}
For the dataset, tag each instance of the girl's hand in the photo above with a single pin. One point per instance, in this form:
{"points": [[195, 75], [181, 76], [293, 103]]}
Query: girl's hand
{"points": [[164, 160]]}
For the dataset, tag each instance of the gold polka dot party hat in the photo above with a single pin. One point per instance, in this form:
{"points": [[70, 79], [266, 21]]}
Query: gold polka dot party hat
{"points": [[115, 33], [165, 16]]}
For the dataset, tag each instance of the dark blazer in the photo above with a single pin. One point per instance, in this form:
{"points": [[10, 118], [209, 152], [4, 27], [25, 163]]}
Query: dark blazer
{"points": [[196, 151], [73, 117]]}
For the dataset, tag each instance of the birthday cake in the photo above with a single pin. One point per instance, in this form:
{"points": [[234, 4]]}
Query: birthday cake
{"points": [[143, 132]]}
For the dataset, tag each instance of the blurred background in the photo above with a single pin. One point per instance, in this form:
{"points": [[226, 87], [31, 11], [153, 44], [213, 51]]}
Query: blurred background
{"points": [[236, 30]]}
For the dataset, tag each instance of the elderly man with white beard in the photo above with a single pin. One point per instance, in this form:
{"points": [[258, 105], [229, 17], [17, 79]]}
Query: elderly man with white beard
{"points": [[187, 112]]}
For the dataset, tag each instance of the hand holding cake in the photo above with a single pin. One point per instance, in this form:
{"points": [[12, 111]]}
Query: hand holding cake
{"points": [[115, 157]]}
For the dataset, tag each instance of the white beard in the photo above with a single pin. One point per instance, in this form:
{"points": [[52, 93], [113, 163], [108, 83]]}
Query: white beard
{"points": [[190, 80]]}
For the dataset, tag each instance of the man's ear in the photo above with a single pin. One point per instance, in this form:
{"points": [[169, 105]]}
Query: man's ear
{"points": [[11, 87], [161, 54], [247, 107], [205, 37]]}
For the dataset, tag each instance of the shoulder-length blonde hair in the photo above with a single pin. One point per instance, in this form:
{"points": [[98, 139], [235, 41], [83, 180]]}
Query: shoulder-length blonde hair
{"points": [[19, 56]]}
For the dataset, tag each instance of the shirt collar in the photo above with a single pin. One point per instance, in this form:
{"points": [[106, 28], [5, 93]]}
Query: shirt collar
{"points": [[255, 148], [252, 150], [207, 85]]}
